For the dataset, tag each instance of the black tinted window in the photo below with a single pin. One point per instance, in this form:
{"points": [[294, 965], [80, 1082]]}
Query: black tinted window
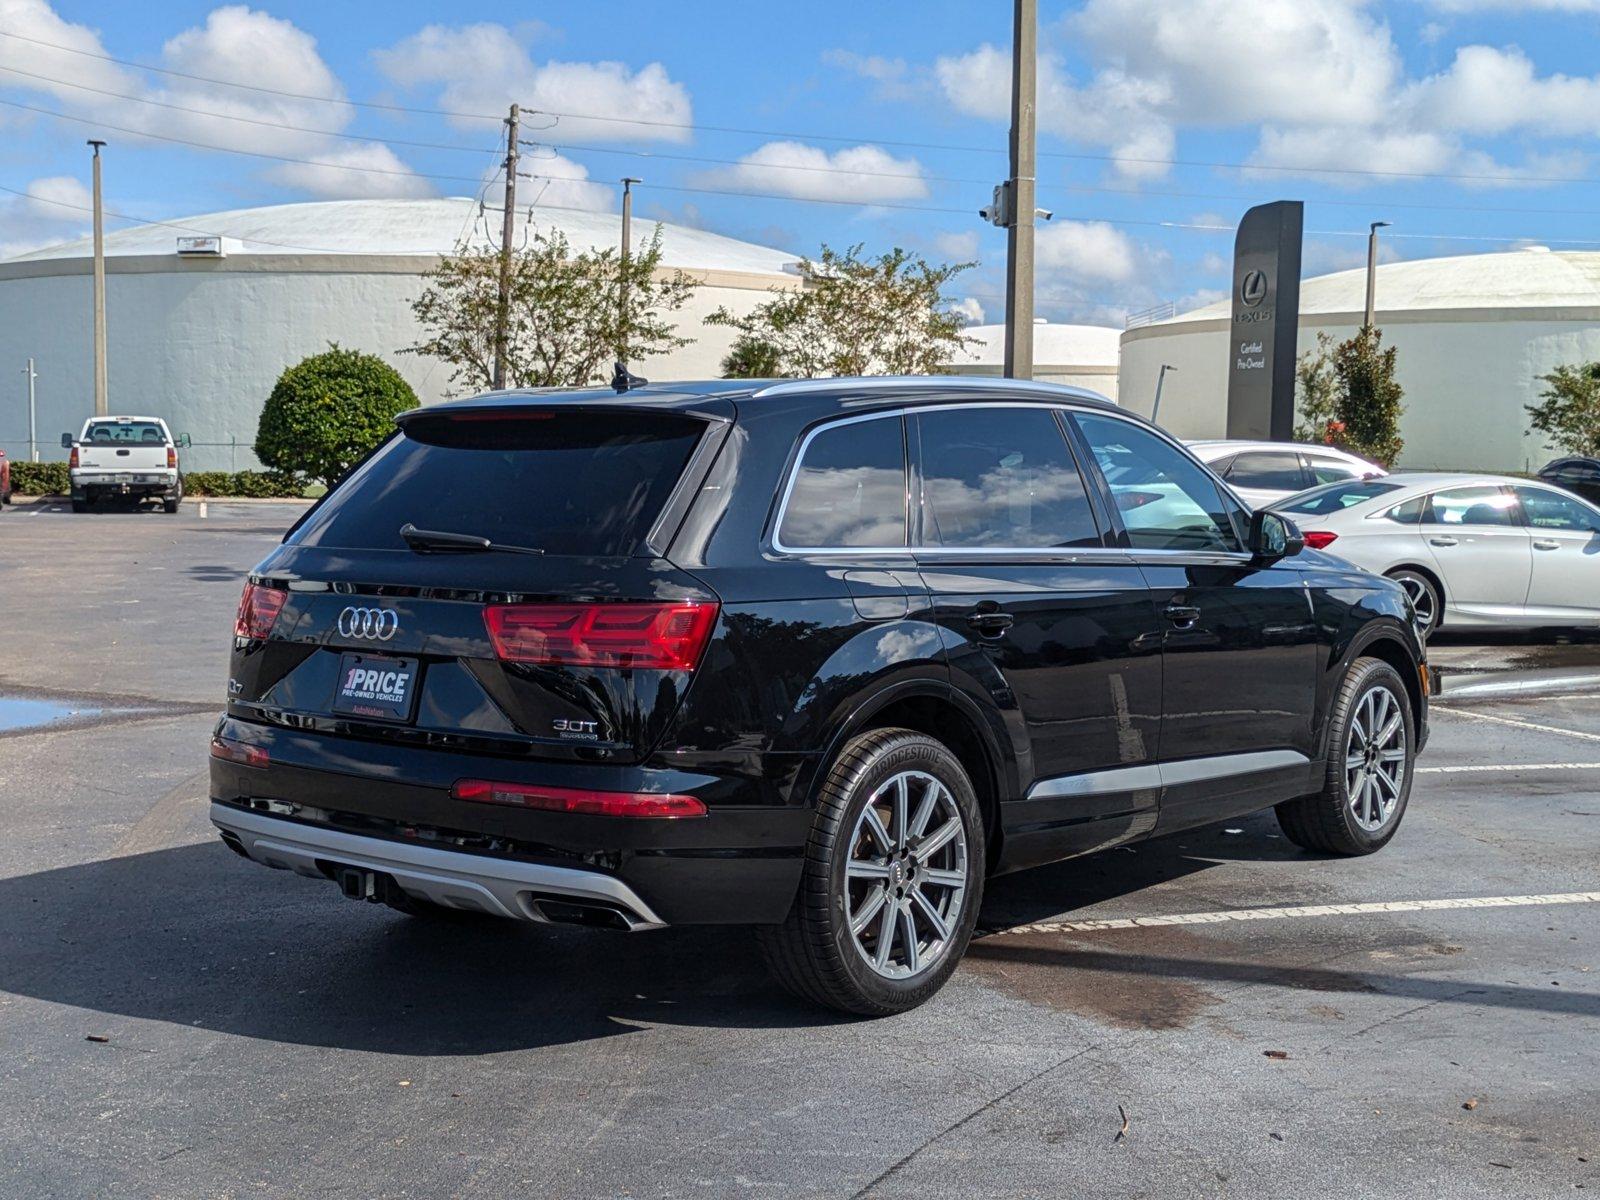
{"points": [[850, 489], [1001, 477], [564, 482], [1165, 499], [1273, 470]]}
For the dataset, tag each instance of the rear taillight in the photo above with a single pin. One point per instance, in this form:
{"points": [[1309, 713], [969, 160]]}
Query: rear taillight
{"points": [[258, 609], [1319, 539], [650, 805], [72, 459], [172, 457], [661, 637], [234, 751]]}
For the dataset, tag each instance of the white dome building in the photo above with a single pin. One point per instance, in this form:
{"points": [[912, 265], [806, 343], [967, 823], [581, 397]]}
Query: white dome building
{"points": [[1473, 335], [1078, 355], [200, 338]]}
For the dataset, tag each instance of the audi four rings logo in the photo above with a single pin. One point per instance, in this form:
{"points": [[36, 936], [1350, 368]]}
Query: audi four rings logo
{"points": [[374, 624]]}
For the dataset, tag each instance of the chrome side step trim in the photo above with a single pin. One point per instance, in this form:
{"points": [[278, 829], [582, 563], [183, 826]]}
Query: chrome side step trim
{"points": [[1147, 776], [453, 878]]}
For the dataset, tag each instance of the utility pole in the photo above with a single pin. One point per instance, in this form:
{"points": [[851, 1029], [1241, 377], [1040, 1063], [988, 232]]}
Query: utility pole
{"points": [[1372, 271], [101, 403], [627, 251], [508, 234], [33, 431], [1019, 240], [1160, 379]]}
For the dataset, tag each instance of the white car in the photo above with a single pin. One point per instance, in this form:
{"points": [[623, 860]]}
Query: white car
{"points": [[134, 457], [1471, 550], [1262, 473]]}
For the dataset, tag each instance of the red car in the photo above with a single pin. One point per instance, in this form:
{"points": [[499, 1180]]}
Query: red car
{"points": [[5, 478]]}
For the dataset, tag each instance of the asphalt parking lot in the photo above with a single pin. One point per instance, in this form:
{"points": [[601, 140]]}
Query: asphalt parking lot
{"points": [[177, 1023]]}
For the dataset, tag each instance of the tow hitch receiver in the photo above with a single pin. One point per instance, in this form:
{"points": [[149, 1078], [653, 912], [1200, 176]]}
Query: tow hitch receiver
{"points": [[357, 884]]}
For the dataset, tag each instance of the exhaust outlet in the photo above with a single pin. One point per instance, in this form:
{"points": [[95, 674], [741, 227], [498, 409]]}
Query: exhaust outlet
{"points": [[593, 914]]}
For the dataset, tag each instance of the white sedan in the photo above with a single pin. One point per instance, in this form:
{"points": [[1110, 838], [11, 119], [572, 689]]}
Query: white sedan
{"points": [[1471, 550], [1262, 473]]}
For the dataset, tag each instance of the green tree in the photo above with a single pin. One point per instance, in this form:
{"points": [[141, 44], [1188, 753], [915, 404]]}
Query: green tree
{"points": [[1369, 397], [854, 316], [329, 410], [751, 358], [569, 314], [1569, 413], [1316, 393]]}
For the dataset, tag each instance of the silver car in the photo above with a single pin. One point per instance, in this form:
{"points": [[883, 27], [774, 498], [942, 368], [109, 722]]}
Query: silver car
{"points": [[1263, 473], [1471, 550]]}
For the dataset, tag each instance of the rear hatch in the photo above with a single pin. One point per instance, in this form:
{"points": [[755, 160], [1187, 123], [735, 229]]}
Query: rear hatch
{"points": [[566, 637]]}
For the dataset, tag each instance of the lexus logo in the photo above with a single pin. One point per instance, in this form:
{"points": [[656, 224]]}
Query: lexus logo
{"points": [[374, 624], [1253, 288]]}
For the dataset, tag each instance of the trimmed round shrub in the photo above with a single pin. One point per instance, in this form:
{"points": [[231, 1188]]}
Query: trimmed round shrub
{"points": [[327, 412]]}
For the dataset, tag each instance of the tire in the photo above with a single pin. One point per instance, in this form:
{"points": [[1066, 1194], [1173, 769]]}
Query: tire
{"points": [[172, 505], [815, 954], [1425, 598], [1339, 819], [80, 506]]}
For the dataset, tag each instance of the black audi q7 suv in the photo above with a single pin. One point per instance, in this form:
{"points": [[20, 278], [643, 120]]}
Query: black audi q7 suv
{"points": [[818, 657]]}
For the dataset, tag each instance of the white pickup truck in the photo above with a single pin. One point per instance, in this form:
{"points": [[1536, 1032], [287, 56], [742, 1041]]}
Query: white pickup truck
{"points": [[125, 456]]}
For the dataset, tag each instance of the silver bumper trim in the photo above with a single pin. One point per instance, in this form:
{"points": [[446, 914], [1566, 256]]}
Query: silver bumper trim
{"points": [[452, 878]]}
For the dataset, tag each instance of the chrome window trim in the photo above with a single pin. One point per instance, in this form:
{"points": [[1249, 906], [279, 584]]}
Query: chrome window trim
{"points": [[907, 549]]}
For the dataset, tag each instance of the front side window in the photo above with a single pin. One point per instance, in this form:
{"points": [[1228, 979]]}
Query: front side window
{"points": [[1471, 506], [1269, 470], [1001, 477], [1166, 499], [850, 489], [1547, 510]]}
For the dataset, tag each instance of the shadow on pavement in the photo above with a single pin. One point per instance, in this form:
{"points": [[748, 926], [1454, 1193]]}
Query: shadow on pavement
{"points": [[194, 936]]}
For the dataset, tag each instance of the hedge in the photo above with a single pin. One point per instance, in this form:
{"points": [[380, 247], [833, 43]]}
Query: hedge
{"points": [[258, 484], [51, 479]]}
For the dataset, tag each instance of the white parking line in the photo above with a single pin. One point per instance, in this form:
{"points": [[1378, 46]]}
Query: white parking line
{"points": [[1505, 768], [1302, 910], [1477, 716]]}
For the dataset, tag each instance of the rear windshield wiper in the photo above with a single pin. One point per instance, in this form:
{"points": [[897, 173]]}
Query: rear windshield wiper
{"points": [[424, 540]]}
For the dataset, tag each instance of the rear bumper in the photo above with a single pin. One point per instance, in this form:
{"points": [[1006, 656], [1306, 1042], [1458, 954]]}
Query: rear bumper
{"points": [[739, 864], [501, 887]]}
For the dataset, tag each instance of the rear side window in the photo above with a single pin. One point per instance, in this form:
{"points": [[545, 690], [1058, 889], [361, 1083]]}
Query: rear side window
{"points": [[1332, 470], [1409, 513], [1471, 506], [850, 489], [1271, 470], [1001, 477], [574, 483]]}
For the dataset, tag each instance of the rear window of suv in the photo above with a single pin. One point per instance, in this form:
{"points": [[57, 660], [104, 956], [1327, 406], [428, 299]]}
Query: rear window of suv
{"points": [[572, 483]]}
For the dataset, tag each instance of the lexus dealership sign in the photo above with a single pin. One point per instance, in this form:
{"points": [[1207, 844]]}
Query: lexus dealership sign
{"points": [[1266, 315]]}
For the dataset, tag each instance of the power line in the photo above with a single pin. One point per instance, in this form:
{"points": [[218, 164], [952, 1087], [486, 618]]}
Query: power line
{"points": [[685, 126]]}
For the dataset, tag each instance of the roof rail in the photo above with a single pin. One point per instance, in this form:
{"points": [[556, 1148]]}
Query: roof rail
{"points": [[886, 383]]}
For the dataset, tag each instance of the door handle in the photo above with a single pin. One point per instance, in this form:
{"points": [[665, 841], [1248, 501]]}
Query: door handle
{"points": [[1546, 544], [991, 623], [1183, 616], [1442, 541]]}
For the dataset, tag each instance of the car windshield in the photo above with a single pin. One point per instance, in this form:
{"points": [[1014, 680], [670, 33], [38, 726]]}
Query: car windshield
{"points": [[125, 433], [1336, 497]]}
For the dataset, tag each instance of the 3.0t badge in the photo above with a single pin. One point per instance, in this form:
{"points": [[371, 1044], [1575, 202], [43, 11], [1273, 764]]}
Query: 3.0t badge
{"points": [[587, 731]]}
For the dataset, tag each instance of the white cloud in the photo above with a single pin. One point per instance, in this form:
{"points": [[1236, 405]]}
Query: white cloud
{"points": [[1516, 6], [969, 310], [862, 173], [484, 68], [1087, 251], [235, 43], [52, 211], [959, 247], [1489, 91], [561, 183]]}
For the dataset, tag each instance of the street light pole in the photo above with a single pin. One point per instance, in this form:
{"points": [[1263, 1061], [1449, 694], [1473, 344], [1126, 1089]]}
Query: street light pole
{"points": [[627, 251], [101, 403], [1019, 240], [33, 429], [508, 236], [1372, 271]]}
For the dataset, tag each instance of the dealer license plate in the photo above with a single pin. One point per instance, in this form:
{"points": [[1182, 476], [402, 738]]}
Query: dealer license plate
{"points": [[376, 688]]}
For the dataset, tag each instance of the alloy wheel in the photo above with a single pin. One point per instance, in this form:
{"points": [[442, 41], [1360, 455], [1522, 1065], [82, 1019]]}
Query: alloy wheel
{"points": [[1422, 601], [1375, 758], [906, 876]]}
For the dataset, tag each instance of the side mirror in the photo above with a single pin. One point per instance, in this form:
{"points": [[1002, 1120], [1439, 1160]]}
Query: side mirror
{"points": [[1274, 536], [183, 441], [66, 441]]}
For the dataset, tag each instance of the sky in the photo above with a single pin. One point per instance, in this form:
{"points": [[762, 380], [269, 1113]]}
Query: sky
{"points": [[1472, 125]]}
